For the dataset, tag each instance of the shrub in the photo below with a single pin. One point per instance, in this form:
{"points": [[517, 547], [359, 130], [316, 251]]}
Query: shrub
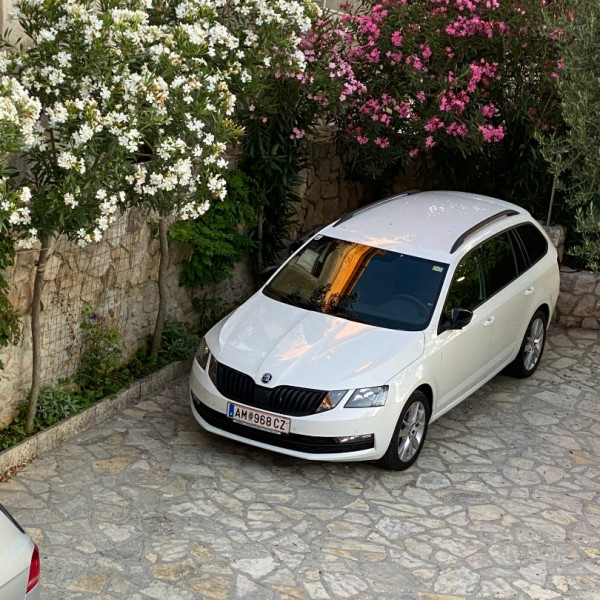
{"points": [[461, 82]]}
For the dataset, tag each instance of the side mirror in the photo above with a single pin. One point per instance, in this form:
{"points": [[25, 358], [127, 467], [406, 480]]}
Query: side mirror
{"points": [[460, 318]]}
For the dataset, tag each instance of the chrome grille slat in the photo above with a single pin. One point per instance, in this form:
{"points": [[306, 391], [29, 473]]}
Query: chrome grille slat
{"points": [[285, 400]]}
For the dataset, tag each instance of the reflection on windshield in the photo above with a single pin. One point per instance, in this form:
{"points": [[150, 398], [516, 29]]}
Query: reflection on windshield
{"points": [[360, 283]]}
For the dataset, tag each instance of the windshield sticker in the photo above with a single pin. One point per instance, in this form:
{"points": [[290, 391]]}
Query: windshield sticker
{"points": [[437, 269]]}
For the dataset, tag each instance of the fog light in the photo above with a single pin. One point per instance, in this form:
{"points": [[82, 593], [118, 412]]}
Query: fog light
{"points": [[348, 439]]}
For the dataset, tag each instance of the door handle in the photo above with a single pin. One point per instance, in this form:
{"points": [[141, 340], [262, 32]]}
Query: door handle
{"points": [[489, 321], [529, 291]]}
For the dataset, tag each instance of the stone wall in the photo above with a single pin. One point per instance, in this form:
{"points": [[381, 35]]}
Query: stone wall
{"points": [[118, 278], [326, 192], [579, 300]]}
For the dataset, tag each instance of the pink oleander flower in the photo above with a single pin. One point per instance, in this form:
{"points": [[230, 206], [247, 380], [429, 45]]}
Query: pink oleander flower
{"points": [[403, 109], [395, 57], [433, 124], [488, 110], [457, 130], [454, 101], [382, 142], [429, 142], [297, 133], [491, 134], [397, 38]]}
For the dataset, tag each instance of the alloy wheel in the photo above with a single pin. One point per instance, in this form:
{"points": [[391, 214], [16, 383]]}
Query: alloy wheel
{"points": [[534, 344], [412, 430]]}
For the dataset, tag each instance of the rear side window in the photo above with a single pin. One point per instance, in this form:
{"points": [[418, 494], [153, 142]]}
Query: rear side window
{"points": [[533, 240], [498, 260], [520, 253]]}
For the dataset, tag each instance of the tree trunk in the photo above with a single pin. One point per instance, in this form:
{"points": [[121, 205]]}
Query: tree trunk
{"points": [[36, 335], [162, 286]]}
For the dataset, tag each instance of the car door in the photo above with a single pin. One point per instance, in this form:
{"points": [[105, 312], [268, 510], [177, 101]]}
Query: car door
{"points": [[507, 297], [465, 354]]}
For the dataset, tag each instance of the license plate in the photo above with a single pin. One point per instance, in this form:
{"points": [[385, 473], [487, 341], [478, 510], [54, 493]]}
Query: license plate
{"points": [[258, 418]]}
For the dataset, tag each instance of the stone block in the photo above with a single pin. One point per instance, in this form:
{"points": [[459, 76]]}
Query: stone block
{"points": [[567, 281], [330, 191], [53, 265], [20, 297], [590, 323], [301, 189], [569, 321], [20, 454], [323, 169], [336, 163], [585, 282], [566, 303], [313, 193], [585, 306]]}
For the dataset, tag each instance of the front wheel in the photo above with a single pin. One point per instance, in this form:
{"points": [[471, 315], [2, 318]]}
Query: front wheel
{"points": [[409, 435], [532, 346]]}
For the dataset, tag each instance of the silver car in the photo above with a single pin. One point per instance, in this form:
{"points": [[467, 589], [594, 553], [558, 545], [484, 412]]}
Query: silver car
{"points": [[19, 561]]}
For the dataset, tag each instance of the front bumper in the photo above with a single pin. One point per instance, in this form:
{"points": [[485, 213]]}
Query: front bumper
{"points": [[337, 435]]}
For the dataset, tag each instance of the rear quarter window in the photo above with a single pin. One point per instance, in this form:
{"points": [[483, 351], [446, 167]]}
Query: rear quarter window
{"points": [[534, 242]]}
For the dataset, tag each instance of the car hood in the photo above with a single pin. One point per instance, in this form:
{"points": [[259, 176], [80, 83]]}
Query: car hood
{"points": [[310, 349]]}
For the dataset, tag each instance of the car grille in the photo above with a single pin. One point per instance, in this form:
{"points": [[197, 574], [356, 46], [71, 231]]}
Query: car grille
{"points": [[292, 441], [284, 399]]}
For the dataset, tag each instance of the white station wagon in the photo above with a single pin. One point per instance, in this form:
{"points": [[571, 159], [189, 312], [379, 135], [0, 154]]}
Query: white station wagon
{"points": [[378, 325]]}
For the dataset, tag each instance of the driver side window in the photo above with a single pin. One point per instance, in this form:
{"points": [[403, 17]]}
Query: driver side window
{"points": [[467, 289]]}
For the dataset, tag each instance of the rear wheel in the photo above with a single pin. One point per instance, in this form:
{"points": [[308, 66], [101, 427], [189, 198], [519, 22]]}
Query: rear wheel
{"points": [[532, 347], [409, 434]]}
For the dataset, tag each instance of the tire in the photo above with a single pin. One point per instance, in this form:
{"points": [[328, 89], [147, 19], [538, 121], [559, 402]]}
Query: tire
{"points": [[531, 349], [409, 435]]}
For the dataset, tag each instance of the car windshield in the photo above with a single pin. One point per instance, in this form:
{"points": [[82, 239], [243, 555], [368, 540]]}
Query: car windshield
{"points": [[360, 283]]}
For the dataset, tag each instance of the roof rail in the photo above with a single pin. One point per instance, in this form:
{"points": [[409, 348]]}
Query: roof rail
{"points": [[373, 205], [459, 241]]}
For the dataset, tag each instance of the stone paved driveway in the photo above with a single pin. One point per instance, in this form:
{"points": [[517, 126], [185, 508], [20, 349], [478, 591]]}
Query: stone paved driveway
{"points": [[504, 502]]}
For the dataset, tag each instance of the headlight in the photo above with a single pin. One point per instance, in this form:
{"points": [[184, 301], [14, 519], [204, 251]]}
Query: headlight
{"points": [[332, 399], [212, 370], [202, 354], [368, 397]]}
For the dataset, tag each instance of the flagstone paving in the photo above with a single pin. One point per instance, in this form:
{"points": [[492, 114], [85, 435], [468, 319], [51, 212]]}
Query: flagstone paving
{"points": [[504, 502]]}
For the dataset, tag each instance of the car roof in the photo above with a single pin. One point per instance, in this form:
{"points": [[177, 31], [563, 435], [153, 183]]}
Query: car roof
{"points": [[427, 224]]}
